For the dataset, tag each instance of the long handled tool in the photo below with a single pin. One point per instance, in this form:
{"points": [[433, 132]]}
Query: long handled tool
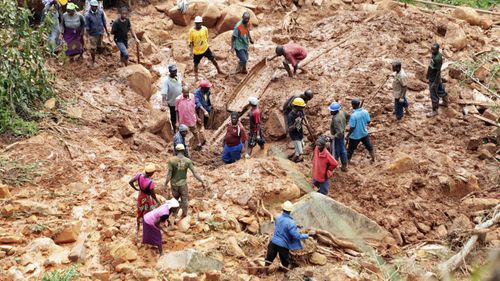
{"points": [[375, 93], [138, 53]]}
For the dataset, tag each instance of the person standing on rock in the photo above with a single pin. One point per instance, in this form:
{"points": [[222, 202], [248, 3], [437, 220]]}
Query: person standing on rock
{"points": [[295, 124], [399, 87], [152, 226], [120, 29], [172, 88], [198, 44], [337, 129], [177, 176], [147, 194], [255, 135], [286, 237], [358, 131], [240, 41], [185, 108], [234, 141], [95, 25], [436, 87], [293, 53], [323, 165], [203, 102], [180, 138]]}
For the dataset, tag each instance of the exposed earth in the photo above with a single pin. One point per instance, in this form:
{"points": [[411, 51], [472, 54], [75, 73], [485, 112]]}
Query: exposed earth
{"points": [[65, 198]]}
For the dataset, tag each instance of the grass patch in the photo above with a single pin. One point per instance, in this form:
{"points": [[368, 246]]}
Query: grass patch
{"points": [[61, 275], [479, 4], [17, 174], [471, 66]]}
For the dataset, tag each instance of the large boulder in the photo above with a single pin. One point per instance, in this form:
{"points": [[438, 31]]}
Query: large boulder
{"points": [[139, 79], [183, 19], [123, 252], [456, 37], [231, 15], [188, 260], [472, 17], [211, 15], [68, 233], [275, 126]]}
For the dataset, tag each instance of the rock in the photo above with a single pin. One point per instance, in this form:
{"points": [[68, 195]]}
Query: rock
{"points": [[289, 192], [184, 224], [492, 115], [441, 231], [102, 275], [212, 276], [211, 15], [397, 236], [10, 239], [402, 164], [416, 85], [467, 14], [244, 195], [461, 223], [478, 204], [74, 112], [50, 103], [463, 185], [4, 191], [231, 15], [369, 8], [234, 249], [456, 37], [190, 277], [474, 143], [78, 253], [144, 274], [318, 259], [188, 260], [486, 23], [149, 143], [125, 127], [124, 268], [164, 7], [253, 227], [484, 154], [423, 228], [275, 126], [68, 233], [34, 207], [139, 79], [178, 17], [14, 274], [122, 252], [247, 219], [455, 73], [482, 73], [41, 244], [491, 147]]}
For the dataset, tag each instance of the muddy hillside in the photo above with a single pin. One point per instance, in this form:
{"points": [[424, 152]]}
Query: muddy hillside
{"points": [[65, 200]]}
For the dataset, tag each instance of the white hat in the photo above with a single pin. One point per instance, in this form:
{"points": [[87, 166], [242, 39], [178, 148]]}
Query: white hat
{"points": [[287, 206], [198, 19], [173, 203], [94, 3], [253, 100], [180, 147]]}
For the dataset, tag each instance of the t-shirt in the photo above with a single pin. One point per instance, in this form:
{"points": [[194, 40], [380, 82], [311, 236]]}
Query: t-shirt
{"points": [[339, 121], [199, 38], [172, 88], [294, 52], [144, 182], [235, 135], [254, 121], [241, 36], [120, 30], [152, 216], [186, 107], [298, 132], [359, 119], [399, 85], [434, 66], [178, 166]]}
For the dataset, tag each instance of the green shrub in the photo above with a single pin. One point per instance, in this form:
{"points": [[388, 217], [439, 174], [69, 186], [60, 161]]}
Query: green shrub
{"points": [[24, 82], [61, 275]]}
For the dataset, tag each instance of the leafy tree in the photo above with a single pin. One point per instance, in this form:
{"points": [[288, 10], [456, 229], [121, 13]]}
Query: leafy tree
{"points": [[24, 82]]}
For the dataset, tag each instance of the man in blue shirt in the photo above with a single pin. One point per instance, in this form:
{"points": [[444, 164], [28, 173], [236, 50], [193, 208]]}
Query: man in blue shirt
{"points": [[95, 25], [286, 237], [358, 131], [203, 102]]}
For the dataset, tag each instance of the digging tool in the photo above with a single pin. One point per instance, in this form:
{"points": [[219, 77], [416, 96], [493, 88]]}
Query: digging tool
{"points": [[138, 53], [375, 93]]}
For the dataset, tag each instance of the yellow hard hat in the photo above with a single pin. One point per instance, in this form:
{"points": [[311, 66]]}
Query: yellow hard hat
{"points": [[299, 102], [287, 206], [150, 168], [62, 2], [179, 147]]}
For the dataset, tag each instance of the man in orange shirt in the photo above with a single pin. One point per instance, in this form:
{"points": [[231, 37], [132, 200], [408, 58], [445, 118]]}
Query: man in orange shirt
{"points": [[323, 165], [293, 53]]}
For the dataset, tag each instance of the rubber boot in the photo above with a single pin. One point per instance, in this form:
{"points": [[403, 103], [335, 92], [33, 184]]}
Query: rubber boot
{"points": [[434, 111], [244, 68], [372, 155], [239, 68], [344, 167], [444, 103]]}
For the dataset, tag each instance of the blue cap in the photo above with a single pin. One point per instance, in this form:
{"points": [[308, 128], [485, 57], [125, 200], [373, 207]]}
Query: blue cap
{"points": [[335, 106]]}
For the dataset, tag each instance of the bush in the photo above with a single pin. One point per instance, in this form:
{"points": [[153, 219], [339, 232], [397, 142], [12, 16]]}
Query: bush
{"points": [[24, 82], [61, 275]]}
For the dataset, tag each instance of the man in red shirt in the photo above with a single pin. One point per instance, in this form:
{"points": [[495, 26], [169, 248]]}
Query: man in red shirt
{"points": [[234, 140], [323, 165], [255, 134], [293, 53]]}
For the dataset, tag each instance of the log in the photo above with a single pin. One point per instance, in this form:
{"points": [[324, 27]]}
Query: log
{"points": [[489, 121], [339, 242], [451, 264], [418, 62]]}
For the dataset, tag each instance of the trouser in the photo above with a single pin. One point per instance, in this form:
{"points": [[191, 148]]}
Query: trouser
{"points": [[273, 250], [437, 93], [181, 192], [399, 108], [123, 50], [338, 147], [323, 186], [173, 117], [353, 144], [299, 147], [242, 56]]}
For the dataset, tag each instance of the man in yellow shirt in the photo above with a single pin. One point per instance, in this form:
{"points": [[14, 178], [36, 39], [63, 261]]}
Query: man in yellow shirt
{"points": [[198, 43]]}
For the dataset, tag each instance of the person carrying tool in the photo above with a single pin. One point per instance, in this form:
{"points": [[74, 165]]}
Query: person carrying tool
{"points": [[172, 88], [295, 124], [120, 29], [286, 237], [198, 44], [177, 176], [240, 41], [337, 129], [323, 165], [255, 135], [399, 86], [436, 87], [185, 108], [203, 102], [287, 106], [180, 138], [293, 53], [358, 131], [234, 141], [95, 25]]}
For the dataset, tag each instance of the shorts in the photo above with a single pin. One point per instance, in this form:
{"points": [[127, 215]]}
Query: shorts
{"points": [[96, 42], [181, 193], [299, 147], [208, 54], [193, 129], [252, 140]]}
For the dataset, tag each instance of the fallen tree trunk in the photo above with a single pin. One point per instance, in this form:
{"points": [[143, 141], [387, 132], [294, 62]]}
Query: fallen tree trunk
{"points": [[338, 242], [451, 264]]}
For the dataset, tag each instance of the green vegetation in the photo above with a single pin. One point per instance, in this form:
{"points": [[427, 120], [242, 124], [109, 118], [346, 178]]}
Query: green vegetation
{"points": [[479, 4], [37, 228], [17, 174], [24, 81], [61, 275], [487, 59]]}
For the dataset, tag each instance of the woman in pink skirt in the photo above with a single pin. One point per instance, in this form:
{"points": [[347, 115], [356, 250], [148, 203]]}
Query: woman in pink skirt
{"points": [[152, 226]]}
